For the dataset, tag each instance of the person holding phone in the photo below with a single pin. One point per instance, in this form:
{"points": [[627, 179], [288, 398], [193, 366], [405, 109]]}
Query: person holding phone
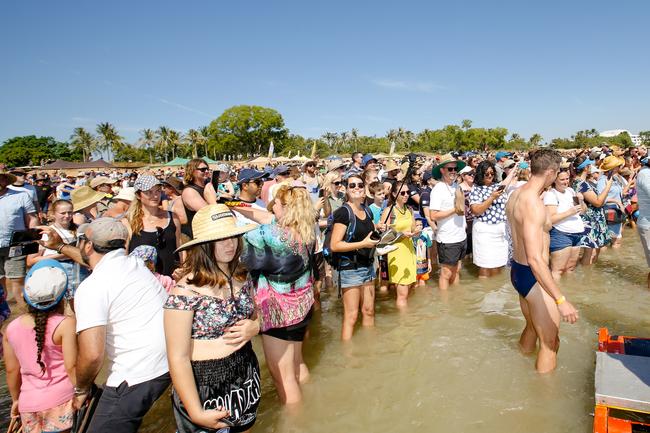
{"points": [[564, 206], [614, 210], [488, 204], [220, 187]]}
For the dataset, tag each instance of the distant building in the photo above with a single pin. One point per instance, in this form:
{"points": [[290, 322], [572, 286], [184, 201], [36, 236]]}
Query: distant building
{"points": [[636, 139]]}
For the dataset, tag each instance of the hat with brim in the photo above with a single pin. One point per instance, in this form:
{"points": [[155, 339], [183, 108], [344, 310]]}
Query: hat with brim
{"points": [[85, 196], [127, 194], [174, 183], [215, 222], [444, 160], [391, 166], [611, 162], [10, 177], [101, 180], [335, 165], [45, 284]]}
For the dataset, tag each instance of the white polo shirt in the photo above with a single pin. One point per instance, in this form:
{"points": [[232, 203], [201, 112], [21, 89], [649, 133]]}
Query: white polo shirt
{"points": [[123, 295], [452, 228]]}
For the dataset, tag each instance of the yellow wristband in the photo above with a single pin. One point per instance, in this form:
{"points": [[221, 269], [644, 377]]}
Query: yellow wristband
{"points": [[560, 300]]}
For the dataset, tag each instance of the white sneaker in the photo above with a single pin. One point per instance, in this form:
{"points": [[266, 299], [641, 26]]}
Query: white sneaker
{"points": [[385, 250]]}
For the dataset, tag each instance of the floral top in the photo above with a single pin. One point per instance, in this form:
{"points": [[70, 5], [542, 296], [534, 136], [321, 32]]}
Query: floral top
{"points": [[494, 214], [282, 270], [213, 315]]}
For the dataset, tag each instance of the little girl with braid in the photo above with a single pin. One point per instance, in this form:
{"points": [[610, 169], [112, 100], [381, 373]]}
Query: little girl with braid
{"points": [[40, 349]]}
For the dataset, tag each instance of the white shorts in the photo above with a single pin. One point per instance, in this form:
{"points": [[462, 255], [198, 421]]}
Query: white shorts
{"points": [[489, 244]]}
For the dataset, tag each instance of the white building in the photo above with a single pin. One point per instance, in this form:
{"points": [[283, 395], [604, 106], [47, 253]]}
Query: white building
{"points": [[636, 139]]}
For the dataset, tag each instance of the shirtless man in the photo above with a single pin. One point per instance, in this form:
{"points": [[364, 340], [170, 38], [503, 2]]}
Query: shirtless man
{"points": [[541, 301]]}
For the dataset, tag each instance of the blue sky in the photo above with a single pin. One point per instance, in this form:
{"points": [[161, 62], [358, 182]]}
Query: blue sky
{"points": [[545, 67]]}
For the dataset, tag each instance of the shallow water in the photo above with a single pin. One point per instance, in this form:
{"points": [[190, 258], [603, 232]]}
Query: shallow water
{"points": [[450, 363]]}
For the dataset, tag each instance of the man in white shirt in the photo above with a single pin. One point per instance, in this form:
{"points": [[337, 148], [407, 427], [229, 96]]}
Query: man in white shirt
{"points": [[119, 316], [447, 210]]}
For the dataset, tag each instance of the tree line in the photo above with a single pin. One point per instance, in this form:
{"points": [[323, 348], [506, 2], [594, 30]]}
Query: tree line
{"points": [[245, 131]]}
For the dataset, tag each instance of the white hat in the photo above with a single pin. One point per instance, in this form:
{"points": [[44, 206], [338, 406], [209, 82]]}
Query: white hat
{"points": [[594, 169], [127, 194], [45, 284], [466, 169]]}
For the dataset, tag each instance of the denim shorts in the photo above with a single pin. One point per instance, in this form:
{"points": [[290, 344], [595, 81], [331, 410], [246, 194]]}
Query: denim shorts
{"points": [[561, 240], [355, 277]]}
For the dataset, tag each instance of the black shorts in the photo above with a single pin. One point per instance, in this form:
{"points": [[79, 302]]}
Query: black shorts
{"points": [[451, 254], [319, 266], [294, 332], [232, 382]]}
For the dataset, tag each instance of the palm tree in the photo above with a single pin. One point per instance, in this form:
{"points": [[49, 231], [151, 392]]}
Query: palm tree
{"points": [[162, 142], [147, 138], [205, 132], [330, 138], [535, 140], [83, 141], [108, 138], [174, 141], [194, 138], [354, 138]]}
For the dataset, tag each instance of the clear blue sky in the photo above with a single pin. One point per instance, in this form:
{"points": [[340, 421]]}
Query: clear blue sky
{"points": [[548, 67]]}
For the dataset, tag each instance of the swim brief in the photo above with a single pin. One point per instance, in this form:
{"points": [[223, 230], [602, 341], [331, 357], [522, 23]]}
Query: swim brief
{"points": [[522, 278]]}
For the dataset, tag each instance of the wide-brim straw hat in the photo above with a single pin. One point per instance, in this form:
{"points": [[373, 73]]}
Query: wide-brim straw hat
{"points": [[215, 222], [444, 160], [611, 162], [85, 196], [335, 165]]}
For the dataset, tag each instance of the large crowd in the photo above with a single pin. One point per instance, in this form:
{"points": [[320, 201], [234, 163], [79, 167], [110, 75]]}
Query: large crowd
{"points": [[169, 274]]}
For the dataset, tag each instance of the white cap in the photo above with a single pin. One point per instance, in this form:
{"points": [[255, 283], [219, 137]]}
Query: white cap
{"points": [[466, 169], [127, 194], [45, 284]]}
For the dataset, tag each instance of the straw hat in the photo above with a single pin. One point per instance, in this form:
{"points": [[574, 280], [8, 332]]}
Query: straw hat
{"points": [[101, 180], [215, 222], [335, 165], [391, 165], [85, 196], [444, 160], [611, 162]]}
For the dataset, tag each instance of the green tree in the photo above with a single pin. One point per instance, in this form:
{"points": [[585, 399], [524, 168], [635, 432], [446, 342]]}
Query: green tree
{"points": [[147, 141], [109, 139], [32, 150], [645, 137], [84, 142], [247, 129], [130, 153], [535, 140], [162, 143], [194, 139]]}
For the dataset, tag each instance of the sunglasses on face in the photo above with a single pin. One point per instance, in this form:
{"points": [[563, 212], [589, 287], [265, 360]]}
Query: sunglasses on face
{"points": [[469, 173], [403, 193], [489, 174], [257, 182], [337, 183], [451, 169], [353, 185], [203, 169]]}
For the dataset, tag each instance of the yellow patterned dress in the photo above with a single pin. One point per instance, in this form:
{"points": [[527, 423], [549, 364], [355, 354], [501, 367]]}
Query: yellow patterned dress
{"points": [[401, 262]]}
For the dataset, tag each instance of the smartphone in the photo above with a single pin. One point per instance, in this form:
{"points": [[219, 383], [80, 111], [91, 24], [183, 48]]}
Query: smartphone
{"points": [[501, 187], [29, 235], [375, 235], [576, 200], [23, 250], [321, 193], [610, 174], [215, 180]]}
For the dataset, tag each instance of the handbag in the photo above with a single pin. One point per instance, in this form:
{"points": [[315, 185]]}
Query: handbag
{"points": [[15, 426], [614, 215], [81, 418]]}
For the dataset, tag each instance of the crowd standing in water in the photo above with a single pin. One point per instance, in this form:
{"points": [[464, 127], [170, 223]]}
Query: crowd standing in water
{"points": [[170, 274]]}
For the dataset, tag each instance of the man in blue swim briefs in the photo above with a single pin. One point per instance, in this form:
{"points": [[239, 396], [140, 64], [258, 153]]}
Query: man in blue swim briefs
{"points": [[540, 298]]}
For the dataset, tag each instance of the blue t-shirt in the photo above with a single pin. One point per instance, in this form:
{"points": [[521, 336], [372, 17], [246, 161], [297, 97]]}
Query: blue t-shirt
{"points": [[14, 207], [643, 197], [615, 192], [376, 212]]}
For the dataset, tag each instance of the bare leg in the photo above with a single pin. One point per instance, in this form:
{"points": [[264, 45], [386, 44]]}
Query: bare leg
{"points": [[351, 302], [648, 280], [280, 359], [546, 321], [528, 339], [368, 304], [587, 256], [402, 295], [483, 272], [559, 261], [456, 277], [446, 274], [302, 372], [573, 259], [14, 288]]}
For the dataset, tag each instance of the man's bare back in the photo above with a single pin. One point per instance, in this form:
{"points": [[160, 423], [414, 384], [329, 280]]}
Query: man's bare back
{"points": [[523, 204]]}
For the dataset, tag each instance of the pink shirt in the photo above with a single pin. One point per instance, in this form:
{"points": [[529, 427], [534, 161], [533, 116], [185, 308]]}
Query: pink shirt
{"points": [[40, 391]]}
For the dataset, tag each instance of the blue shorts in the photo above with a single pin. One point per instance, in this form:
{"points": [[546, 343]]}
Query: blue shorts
{"points": [[355, 277], [561, 240]]}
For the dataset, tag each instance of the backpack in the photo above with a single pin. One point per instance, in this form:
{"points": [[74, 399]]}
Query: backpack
{"points": [[338, 260]]}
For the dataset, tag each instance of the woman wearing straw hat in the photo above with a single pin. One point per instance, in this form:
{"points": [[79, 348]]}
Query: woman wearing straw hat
{"points": [[614, 209], [40, 350], [596, 234], [209, 321], [279, 255], [84, 204]]}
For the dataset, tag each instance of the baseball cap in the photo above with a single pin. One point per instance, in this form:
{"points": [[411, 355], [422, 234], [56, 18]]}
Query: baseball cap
{"points": [[145, 182], [466, 169], [248, 174], [501, 154], [107, 233], [223, 168], [508, 163], [280, 169], [367, 158], [45, 284]]}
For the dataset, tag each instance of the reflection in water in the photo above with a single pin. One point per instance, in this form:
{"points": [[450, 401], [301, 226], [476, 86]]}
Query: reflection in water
{"points": [[451, 362]]}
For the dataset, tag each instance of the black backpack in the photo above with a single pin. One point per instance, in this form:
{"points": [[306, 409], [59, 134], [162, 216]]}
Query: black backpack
{"points": [[339, 260]]}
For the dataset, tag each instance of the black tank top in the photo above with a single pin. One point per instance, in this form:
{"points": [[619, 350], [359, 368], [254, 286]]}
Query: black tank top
{"points": [[165, 244], [187, 228]]}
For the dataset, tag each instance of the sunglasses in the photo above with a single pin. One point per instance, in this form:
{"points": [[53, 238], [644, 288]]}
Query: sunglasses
{"points": [[353, 185], [452, 169], [403, 193], [203, 169], [337, 183], [160, 234], [257, 182], [469, 173], [82, 237]]}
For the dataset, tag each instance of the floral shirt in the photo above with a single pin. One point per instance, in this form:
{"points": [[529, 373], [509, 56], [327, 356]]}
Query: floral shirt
{"points": [[494, 214], [282, 270]]}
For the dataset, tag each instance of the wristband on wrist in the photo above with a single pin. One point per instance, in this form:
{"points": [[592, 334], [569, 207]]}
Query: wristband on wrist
{"points": [[560, 300], [81, 391], [59, 248]]}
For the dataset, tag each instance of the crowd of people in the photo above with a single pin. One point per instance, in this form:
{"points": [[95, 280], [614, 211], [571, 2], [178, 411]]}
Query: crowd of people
{"points": [[169, 275]]}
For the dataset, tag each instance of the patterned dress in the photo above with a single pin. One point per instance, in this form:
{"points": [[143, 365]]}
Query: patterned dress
{"points": [[596, 233], [282, 270]]}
